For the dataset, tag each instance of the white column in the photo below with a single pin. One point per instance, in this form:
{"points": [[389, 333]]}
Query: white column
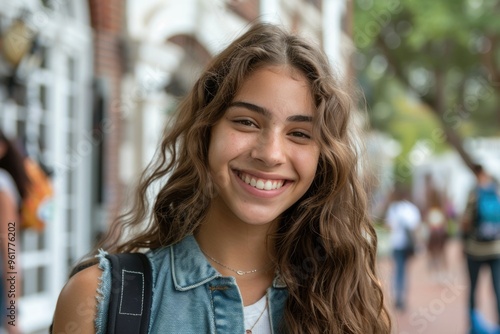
{"points": [[57, 228], [270, 11], [86, 147], [333, 10]]}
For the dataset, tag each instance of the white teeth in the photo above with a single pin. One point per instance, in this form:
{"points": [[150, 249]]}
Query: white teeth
{"points": [[261, 184]]}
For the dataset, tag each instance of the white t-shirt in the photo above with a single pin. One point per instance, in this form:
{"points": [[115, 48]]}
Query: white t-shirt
{"points": [[400, 215], [253, 312]]}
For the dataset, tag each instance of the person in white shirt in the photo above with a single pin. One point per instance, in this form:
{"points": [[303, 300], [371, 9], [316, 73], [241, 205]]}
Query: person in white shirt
{"points": [[403, 217]]}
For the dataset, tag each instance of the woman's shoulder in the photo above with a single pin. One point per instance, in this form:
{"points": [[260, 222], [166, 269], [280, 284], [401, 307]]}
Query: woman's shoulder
{"points": [[84, 281], [77, 303]]}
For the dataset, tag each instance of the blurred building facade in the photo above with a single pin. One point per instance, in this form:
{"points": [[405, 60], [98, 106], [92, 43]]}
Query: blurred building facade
{"points": [[86, 86], [46, 72]]}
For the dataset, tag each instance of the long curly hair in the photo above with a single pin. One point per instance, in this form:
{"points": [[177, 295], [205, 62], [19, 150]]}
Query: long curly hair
{"points": [[325, 243]]}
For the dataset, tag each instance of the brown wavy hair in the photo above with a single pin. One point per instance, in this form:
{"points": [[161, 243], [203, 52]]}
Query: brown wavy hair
{"points": [[325, 244]]}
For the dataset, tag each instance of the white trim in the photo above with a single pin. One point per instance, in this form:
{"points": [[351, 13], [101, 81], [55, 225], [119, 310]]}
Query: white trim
{"points": [[333, 11], [270, 11]]}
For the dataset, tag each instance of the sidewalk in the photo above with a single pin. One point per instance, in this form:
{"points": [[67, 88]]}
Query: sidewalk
{"points": [[437, 305]]}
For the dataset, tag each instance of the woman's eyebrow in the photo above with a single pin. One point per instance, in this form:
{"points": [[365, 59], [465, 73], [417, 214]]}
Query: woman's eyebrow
{"points": [[266, 113], [300, 118], [252, 107]]}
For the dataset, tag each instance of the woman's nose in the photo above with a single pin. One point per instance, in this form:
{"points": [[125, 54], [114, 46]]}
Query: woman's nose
{"points": [[269, 149]]}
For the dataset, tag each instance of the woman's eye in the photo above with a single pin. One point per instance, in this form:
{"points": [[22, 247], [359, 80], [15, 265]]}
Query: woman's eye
{"points": [[299, 134], [245, 122]]}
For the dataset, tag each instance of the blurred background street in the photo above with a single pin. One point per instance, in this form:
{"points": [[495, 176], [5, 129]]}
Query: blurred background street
{"points": [[86, 87], [436, 304]]}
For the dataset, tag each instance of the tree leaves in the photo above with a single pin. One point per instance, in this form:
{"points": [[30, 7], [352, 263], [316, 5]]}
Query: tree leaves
{"points": [[444, 54]]}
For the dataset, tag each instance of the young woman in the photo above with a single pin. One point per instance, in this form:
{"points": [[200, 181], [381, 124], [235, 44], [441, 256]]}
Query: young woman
{"points": [[14, 184], [259, 223], [403, 219]]}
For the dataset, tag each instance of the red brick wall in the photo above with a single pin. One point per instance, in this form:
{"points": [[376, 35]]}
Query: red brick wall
{"points": [[247, 9], [107, 19], [192, 47]]}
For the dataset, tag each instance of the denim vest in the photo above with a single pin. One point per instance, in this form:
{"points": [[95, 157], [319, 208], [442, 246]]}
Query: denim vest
{"points": [[190, 296]]}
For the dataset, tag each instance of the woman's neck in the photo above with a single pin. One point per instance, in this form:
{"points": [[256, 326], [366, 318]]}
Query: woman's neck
{"points": [[235, 244]]}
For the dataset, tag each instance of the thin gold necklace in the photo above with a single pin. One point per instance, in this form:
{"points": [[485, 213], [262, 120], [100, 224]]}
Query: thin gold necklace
{"points": [[249, 331], [239, 272]]}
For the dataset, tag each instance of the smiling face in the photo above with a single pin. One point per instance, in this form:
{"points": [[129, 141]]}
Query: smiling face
{"points": [[262, 154]]}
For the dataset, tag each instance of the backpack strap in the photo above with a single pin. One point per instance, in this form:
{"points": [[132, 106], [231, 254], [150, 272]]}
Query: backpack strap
{"points": [[131, 294]]}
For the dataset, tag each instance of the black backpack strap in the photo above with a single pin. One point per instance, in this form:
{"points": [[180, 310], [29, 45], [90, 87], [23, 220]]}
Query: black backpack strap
{"points": [[131, 294]]}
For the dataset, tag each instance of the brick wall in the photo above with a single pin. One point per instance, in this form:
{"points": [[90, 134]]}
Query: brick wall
{"points": [[247, 9], [107, 19]]}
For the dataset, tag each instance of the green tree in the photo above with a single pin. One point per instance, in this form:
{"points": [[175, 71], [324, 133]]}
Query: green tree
{"points": [[443, 55]]}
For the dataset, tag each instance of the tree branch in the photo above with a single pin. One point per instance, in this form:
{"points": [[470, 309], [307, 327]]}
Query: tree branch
{"points": [[435, 105], [488, 61]]}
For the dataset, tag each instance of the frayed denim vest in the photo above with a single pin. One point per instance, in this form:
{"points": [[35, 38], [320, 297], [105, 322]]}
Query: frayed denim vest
{"points": [[190, 296]]}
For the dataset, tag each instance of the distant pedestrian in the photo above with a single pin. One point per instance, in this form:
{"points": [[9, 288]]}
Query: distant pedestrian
{"points": [[436, 255], [403, 218], [480, 228], [436, 222]]}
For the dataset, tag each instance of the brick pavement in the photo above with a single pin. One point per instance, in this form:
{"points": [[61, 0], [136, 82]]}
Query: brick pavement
{"points": [[437, 305]]}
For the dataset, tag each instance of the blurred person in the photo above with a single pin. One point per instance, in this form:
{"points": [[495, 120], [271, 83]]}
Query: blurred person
{"points": [[403, 218], [262, 225], [452, 217], [480, 227], [14, 184], [436, 243], [436, 222]]}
